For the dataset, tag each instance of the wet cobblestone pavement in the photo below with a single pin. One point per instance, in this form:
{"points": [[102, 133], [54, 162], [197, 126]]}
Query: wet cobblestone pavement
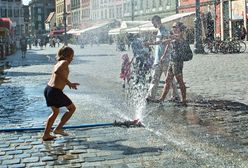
{"points": [[211, 132]]}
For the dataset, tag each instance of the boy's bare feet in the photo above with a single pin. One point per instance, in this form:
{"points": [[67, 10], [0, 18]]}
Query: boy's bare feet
{"points": [[48, 137], [61, 132]]}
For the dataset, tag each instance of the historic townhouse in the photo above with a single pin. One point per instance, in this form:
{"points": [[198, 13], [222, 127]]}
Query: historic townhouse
{"points": [[76, 13], [13, 9], [145, 9], [39, 11], [220, 16]]}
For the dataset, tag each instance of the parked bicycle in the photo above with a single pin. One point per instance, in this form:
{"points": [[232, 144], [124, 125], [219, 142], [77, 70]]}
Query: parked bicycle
{"points": [[231, 45]]}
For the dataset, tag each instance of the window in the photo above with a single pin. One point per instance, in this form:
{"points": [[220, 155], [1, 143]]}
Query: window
{"points": [[10, 12], [160, 3], [110, 13], [141, 5], [39, 10], [153, 4], [4, 12], [16, 12], [39, 18]]}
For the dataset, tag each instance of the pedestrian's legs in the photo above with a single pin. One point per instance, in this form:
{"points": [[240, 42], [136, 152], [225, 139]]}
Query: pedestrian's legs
{"points": [[182, 88], [173, 84], [155, 82], [175, 93], [49, 124], [168, 80], [59, 129]]}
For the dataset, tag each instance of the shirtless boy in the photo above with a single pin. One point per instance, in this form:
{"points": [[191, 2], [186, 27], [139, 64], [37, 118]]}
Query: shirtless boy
{"points": [[55, 98]]}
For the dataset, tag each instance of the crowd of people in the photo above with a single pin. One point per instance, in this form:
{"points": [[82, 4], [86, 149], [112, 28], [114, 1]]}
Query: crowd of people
{"points": [[167, 60]]}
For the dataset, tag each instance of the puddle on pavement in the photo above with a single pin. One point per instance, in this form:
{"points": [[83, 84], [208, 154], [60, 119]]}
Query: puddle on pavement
{"points": [[215, 122], [204, 124]]}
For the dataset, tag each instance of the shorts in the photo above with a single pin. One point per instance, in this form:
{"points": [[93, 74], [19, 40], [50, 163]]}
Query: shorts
{"points": [[176, 67], [55, 97]]}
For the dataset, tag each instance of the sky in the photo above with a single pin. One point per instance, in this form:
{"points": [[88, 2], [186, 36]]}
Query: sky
{"points": [[25, 2]]}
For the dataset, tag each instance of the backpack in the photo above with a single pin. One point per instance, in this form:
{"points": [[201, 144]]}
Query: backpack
{"points": [[183, 51]]}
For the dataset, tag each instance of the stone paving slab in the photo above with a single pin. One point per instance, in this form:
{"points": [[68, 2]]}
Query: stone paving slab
{"points": [[96, 147], [139, 147]]}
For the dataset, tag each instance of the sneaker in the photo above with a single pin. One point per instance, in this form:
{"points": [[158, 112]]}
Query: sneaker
{"points": [[182, 104], [150, 100], [175, 99]]}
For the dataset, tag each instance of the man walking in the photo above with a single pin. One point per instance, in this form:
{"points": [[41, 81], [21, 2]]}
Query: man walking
{"points": [[160, 66]]}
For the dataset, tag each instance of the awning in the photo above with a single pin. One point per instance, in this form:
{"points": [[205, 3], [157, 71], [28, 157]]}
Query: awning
{"points": [[114, 31], [97, 26], [73, 31], [126, 25], [57, 32], [50, 16], [6, 22], [186, 18]]}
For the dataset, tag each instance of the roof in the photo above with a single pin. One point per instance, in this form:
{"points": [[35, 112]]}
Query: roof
{"points": [[6, 22], [96, 26], [165, 21], [126, 25], [50, 16]]}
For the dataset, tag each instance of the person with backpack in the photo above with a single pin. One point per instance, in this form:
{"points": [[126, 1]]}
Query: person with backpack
{"points": [[179, 52]]}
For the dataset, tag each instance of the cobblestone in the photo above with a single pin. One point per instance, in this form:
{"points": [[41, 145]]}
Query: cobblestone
{"points": [[11, 162], [143, 147]]}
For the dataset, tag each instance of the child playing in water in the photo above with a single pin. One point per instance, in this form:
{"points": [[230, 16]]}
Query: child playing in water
{"points": [[125, 69], [55, 98]]}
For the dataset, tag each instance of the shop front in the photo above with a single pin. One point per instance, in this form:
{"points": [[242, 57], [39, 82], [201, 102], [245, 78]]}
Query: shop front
{"points": [[7, 44]]}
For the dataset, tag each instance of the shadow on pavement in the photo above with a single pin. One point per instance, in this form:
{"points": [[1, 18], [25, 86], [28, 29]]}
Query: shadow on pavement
{"points": [[103, 145], [221, 105], [14, 73]]}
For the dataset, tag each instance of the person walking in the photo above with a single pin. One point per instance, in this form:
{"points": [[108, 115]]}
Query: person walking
{"points": [[176, 62], [23, 44], [55, 98], [160, 66]]}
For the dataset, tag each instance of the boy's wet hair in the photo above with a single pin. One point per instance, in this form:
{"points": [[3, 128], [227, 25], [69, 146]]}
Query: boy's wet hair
{"points": [[64, 52]]}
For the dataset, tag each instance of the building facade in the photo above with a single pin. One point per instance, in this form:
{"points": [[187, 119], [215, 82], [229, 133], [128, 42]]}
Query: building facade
{"points": [[145, 9], [106, 9], [226, 15], [76, 13], [39, 11]]}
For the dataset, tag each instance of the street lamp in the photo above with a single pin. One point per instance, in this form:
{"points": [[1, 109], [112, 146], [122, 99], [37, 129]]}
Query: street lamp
{"points": [[64, 17], [198, 30]]}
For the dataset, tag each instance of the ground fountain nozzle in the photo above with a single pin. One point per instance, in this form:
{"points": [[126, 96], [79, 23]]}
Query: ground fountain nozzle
{"points": [[129, 123]]}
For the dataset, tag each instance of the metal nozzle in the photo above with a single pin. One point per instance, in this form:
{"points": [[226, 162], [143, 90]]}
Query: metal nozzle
{"points": [[129, 123]]}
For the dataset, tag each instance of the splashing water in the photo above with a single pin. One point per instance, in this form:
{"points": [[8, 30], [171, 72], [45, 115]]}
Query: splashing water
{"points": [[137, 101]]}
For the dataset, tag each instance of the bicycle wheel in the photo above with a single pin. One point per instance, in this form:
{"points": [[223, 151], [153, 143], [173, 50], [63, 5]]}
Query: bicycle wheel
{"points": [[242, 47], [224, 47], [215, 47], [235, 47], [206, 48]]}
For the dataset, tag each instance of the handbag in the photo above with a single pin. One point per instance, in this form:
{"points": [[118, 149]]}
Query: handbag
{"points": [[183, 50]]}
